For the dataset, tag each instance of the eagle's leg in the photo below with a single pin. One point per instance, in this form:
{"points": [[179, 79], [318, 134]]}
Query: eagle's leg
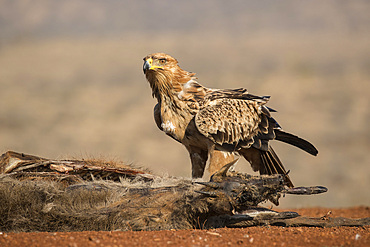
{"points": [[217, 159], [198, 159]]}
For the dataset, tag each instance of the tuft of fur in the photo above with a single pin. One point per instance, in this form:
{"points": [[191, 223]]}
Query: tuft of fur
{"points": [[88, 206]]}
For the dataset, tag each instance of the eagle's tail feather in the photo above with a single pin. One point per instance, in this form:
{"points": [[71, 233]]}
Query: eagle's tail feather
{"points": [[271, 164], [295, 141]]}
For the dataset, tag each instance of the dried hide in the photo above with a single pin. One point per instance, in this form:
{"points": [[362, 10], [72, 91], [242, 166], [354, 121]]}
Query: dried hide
{"points": [[38, 194]]}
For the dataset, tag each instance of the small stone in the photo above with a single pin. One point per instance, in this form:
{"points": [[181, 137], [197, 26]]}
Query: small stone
{"points": [[214, 233]]}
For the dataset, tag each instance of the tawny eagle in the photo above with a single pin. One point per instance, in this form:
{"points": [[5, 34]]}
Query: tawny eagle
{"points": [[215, 122]]}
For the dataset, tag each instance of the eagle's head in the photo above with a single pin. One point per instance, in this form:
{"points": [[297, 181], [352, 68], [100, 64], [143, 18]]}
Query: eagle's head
{"points": [[159, 63], [164, 74]]}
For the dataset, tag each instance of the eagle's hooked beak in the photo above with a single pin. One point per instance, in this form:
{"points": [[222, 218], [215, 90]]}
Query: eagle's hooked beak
{"points": [[148, 65]]}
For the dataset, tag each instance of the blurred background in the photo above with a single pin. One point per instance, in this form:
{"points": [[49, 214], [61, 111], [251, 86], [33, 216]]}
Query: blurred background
{"points": [[72, 86]]}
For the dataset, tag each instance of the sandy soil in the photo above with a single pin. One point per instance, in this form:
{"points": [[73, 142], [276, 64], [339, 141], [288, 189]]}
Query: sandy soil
{"points": [[257, 236]]}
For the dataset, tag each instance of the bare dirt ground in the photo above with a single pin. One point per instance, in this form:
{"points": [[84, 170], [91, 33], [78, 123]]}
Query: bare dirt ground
{"points": [[257, 236]]}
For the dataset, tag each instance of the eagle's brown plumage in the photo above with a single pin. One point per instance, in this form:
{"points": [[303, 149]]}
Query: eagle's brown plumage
{"points": [[215, 122]]}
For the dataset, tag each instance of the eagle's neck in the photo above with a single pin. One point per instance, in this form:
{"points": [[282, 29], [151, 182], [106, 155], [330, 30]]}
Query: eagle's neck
{"points": [[161, 85], [171, 84]]}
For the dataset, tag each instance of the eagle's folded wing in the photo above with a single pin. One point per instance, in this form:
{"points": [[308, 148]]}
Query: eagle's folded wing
{"points": [[233, 121]]}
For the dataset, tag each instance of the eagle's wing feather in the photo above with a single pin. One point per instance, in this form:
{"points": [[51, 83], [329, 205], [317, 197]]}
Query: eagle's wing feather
{"points": [[232, 118], [157, 116], [158, 119]]}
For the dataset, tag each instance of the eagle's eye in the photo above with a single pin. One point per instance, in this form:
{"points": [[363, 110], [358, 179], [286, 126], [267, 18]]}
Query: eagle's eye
{"points": [[162, 61]]}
